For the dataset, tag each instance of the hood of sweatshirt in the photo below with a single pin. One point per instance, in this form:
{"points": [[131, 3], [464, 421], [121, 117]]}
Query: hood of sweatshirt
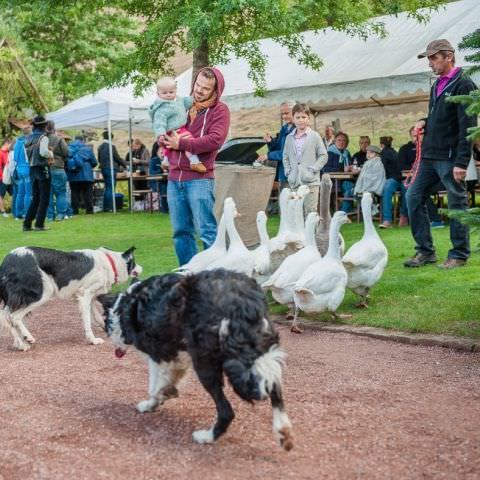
{"points": [[220, 84]]}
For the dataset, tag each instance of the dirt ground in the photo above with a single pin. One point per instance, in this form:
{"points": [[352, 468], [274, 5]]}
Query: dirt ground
{"points": [[360, 408]]}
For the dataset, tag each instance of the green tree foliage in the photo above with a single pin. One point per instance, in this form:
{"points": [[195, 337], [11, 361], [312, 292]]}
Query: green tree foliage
{"points": [[215, 29], [19, 94], [77, 45]]}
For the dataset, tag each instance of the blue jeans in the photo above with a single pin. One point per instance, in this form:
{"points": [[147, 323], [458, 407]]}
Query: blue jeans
{"points": [[430, 172], [58, 190], [191, 207], [24, 194], [107, 193], [392, 186]]}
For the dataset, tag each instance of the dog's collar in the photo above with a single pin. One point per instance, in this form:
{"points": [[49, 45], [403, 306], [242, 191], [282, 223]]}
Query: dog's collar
{"points": [[114, 268]]}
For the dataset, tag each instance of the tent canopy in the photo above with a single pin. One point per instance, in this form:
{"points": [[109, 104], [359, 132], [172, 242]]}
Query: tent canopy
{"points": [[353, 69]]}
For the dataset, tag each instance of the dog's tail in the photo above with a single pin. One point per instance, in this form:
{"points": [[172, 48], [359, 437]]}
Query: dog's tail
{"points": [[251, 381], [259, 380]]}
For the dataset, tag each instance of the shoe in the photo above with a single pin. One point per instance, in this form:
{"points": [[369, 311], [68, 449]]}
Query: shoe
{"points": [[450, 263], [198, 167], [385, 224], [403, 222], [419, 260], [437, 224], [5, 215], [40, 229], [27, 229]]}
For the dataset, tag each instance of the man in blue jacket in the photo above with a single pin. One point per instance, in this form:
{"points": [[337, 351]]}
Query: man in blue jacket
{"points": [[21, 176], [275, 145], [445, 155], [80, 164]]}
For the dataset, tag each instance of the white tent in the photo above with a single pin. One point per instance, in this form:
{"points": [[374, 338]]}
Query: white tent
{"points": [[353, 69]]}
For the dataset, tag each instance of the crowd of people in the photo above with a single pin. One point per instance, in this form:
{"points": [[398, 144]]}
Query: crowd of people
{"points": [[48, 179]]}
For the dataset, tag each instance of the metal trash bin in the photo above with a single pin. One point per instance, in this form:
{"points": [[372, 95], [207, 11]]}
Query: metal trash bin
{"points": [[248, 185]]}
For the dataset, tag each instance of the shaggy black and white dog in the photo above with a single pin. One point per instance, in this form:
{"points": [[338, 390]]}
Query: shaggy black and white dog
{"points": [[218, 320], [30, 276]]}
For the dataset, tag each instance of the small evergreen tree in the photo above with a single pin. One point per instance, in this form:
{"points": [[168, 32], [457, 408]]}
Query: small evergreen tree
{"points": [[470, 216]]}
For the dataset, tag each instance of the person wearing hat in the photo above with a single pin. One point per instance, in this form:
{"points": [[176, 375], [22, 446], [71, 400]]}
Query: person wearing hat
{"points": [[445, 155], [372, 176], [39, 158]]}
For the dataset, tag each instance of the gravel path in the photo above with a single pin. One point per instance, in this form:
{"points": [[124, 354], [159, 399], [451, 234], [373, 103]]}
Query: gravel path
{"points": [[360, 408]]}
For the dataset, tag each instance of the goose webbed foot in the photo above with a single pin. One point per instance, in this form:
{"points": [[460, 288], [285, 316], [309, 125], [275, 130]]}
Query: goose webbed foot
{"points": [[295, 328], [340, 316], [362, 304]]}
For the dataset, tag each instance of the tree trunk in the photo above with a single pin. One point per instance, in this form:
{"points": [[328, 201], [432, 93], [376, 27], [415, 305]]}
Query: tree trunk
{"points": [[200, 58]]}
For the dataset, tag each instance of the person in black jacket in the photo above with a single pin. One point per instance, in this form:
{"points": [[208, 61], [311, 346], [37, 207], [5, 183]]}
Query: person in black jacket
{"points": [[445, 155], [393, 183], [109, 175]]}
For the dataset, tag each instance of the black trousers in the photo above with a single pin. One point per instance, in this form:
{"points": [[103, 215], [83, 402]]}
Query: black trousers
{"points": [[82, 190], [40, 181]]}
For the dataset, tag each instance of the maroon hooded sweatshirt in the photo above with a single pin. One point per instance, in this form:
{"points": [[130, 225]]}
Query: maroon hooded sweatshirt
{"points": [[215, 122]]}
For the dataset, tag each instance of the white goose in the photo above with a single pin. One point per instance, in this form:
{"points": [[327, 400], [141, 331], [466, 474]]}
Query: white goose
{"points": [[294, 234], [261, 255], [322, 286], [366, 259], [278, 241], [204, 258], [283, 280], [238, 258], [325, 217]]}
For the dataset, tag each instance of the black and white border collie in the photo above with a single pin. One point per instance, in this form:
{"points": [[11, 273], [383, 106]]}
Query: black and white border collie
{"points": [[30, 276], [216, 319]]}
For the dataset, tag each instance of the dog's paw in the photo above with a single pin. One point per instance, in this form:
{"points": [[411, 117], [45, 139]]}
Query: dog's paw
{"points": [[96, 341], [203, 436], [147, 405], [23, 347], [285, 438]]}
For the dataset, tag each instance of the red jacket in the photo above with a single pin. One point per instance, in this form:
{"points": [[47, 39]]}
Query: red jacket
{"points": [[215, 122], [3, 161]]}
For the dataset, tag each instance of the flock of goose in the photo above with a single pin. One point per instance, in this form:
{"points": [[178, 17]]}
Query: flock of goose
{"points": [[304, 265]]}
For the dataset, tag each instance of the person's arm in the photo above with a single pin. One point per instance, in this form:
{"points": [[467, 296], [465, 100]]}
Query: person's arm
{"points": [[91, 157], [286, 158], [63, 148], [320, 154], [159, 122], [215, 137], [43, 148], [117, 158], [187, 102]]}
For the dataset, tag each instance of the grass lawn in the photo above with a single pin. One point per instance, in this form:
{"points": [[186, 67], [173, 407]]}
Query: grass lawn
{"points": [[418, 300]]}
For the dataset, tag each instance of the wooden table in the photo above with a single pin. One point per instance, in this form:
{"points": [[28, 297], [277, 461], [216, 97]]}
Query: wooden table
{"points": [[337, 178]]}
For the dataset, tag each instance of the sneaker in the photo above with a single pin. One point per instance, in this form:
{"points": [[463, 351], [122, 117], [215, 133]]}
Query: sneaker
{"points": [[385, 224], [419, 260], [403, 222], [27, 229], [5, 215], [198, 167], [450, 263], [437, 224], [41, 229]]}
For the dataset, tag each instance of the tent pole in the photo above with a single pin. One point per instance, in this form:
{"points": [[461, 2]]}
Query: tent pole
{"points": [[130, 159], [110, 151]]}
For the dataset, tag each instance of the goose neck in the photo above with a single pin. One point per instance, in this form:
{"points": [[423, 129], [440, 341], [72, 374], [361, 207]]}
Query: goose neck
{"points": [[333, 240]]}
